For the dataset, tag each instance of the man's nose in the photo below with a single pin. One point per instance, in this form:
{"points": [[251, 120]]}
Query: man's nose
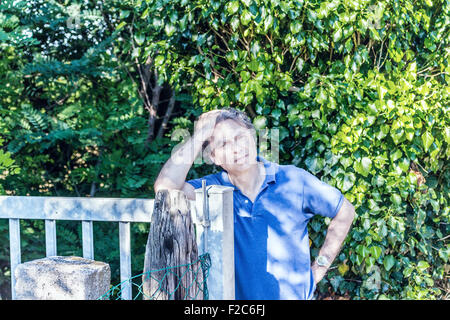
{"points": [[243, 143]]}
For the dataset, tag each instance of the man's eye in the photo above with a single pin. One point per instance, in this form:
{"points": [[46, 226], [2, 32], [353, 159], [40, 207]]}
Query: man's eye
{"points": [[239, 138], [221, 144]]}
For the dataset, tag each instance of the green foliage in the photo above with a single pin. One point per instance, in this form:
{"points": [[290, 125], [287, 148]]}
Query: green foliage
{"points": [[359, 91], [72, 121]]}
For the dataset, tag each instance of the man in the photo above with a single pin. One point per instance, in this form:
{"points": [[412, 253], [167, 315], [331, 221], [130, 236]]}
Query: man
{"points": [[272, 206]]}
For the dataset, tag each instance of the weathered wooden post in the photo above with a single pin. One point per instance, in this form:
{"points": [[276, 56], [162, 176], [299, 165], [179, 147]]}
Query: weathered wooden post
{"points": [[171, 242]]}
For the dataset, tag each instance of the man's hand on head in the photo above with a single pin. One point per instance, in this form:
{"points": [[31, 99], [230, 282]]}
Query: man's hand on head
{"points": [[204, 127]]}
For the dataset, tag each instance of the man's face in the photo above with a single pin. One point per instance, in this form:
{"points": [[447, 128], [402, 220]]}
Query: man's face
{"points": [[233, 146]]}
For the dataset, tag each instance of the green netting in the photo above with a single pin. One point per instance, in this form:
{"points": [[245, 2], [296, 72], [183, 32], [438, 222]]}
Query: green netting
{"points": [[191, 292]]}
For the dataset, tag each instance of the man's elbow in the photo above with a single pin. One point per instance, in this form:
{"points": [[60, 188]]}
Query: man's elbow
{"points": [[351, 212], [164, 185], [348, 211], [160, 185], [156, 187]]}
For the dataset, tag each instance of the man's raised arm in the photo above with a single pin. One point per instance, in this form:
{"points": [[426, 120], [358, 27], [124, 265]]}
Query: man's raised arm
{"points": [[174, 172]]}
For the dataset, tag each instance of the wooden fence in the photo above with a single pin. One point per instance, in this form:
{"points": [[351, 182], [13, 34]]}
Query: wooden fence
{"points": [[213, 219]]}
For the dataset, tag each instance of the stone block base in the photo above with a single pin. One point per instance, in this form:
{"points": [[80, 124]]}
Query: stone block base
{"points": [[62, 278]]}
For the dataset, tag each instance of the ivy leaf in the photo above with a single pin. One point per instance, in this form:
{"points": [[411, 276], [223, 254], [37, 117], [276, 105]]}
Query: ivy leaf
{"points": [[370, 262], [372, 283], [321, 98], [349, 181], [268, 22], [246, 17], [363, 166], [397, 134], [337, 35], [404, 164], [396, 199], [388, 262], [299, 64], [359, 259], [362, 251], [396, 154], [234, 23], [447, 135], [427, 140], [423, 265], [124, 14], [343, 268], [139, 38], [314, 164], [295, 27], [444, 253], [170, 29], [335, 281], [233, 7], [245, 76], [375, 252], [159, 60], [255, 49], [346, 162], [407, 271]]}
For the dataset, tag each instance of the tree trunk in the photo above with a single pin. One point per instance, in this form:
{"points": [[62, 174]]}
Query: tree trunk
{"points": [[153, 110], [171, 243], [166, 118]]}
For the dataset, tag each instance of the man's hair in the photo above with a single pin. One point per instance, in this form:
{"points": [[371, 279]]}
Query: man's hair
{"points": [[236, 115]]}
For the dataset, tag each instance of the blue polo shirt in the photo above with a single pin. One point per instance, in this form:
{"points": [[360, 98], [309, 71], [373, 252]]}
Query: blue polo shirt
{"points": [[272, 257]]}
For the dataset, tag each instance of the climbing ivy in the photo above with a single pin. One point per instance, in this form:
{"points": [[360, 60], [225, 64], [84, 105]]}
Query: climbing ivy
{"points": [[359, 92]]}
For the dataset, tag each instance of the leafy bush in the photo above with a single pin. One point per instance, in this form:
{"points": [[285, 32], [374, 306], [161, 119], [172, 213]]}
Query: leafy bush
{"points": [[72, 123]]}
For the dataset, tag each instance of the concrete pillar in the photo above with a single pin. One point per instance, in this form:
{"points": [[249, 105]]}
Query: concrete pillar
{"points": [[62, 278]]}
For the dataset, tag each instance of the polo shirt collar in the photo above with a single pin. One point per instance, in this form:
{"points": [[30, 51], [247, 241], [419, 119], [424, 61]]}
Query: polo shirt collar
{"points": [[271, 169]]}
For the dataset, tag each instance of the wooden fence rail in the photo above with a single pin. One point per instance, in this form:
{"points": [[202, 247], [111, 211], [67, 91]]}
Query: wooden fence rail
{"points": [[123, 211]]}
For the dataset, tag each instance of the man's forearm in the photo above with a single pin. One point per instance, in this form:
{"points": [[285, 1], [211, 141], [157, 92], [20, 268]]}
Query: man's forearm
{"points": [[336, 234], [174, 172]]}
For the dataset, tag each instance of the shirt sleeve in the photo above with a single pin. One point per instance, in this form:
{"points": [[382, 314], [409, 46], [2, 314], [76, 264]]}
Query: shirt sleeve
{"points": [[319, 197]]}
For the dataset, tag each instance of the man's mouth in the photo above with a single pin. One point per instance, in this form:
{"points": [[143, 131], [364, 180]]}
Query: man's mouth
{"points": [[241, 158]]}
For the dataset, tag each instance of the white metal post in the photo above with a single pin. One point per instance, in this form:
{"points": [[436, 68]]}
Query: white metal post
{"points": [[88, 239], [125, 260], [15, 253], [219, 240], [50, 238]]}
